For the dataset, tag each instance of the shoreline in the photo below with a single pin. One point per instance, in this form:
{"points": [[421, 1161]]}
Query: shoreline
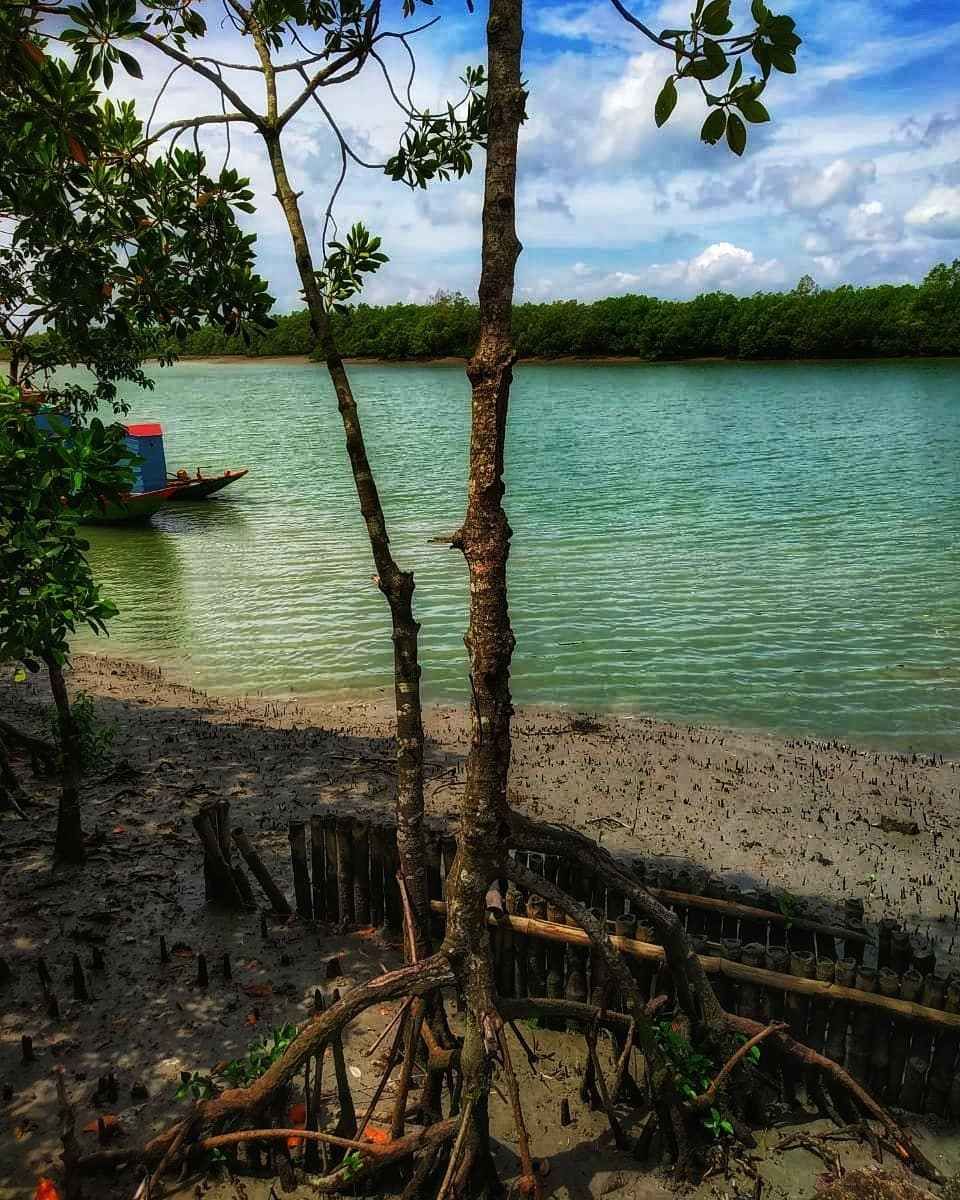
{"points": [[571, 360], [793, 815], [792, 812], [380, 699]]}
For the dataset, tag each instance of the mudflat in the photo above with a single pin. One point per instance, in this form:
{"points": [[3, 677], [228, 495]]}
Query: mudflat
{"points": [[801, 815]]}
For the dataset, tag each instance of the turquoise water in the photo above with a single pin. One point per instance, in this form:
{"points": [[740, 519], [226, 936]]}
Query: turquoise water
{"points": [[771, 546]]}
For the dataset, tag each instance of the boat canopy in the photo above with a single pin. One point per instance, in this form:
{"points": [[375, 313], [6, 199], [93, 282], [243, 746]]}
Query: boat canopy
{"points": [[146, 439]]}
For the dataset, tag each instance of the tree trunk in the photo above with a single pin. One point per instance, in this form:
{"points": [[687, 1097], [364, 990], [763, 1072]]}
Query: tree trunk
{"points": [[396, 585], [68, 845], [484, 539]]}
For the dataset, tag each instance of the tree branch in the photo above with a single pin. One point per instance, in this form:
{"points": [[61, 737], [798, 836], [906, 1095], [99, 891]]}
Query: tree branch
{"points": [[197, 66], [195, 122], [647, 31]]}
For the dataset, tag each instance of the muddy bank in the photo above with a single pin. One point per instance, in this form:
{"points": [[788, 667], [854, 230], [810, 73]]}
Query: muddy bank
{"points": [[799, 814]]}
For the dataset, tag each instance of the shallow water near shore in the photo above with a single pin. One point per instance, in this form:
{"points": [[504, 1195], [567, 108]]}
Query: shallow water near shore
{"points": [[770, 546]]}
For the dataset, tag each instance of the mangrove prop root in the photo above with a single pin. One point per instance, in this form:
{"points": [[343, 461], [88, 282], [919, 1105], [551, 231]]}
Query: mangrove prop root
{"points": [[705, 1099], [154, 1184], [523, 1140], [415, 979], [619, 1137], [905, 1148], [414, 1024]]}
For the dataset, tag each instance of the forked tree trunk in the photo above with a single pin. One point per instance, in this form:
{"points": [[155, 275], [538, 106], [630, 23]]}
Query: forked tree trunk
{"points": [[68, 845], [397, 585], [484, 539]]}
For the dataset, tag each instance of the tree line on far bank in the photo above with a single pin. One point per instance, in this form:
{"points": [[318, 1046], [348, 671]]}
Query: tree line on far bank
{"points": [[808, 322]]}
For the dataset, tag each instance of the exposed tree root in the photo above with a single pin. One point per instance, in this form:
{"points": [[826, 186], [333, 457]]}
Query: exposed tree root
{"points": [[467, 1167], [904, 1146], [709, 1096], [42, 753]]}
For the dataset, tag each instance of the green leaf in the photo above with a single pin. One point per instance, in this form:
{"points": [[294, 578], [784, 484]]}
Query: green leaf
{"points": [[716, 18], [737, 72], [754, 111], [736, 134], [761, 52], [704, 69], [130, 64], [782, 59], [666, 103], [714, 126]]}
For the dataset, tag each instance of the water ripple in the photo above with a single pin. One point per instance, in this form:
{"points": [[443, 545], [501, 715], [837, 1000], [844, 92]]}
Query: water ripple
{"points": [[772, 546]]}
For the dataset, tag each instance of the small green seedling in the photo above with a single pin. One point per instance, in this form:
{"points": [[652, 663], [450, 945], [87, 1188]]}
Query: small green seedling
{"points": [[717, 1124]]}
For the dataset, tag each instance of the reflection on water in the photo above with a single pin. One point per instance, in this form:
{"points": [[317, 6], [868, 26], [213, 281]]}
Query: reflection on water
{"points": [[141, 568], [771, 546]]}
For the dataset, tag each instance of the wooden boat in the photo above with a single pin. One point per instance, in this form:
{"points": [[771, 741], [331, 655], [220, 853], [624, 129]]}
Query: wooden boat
{"points": [[152, 487], [134, 506], [202, 486]]}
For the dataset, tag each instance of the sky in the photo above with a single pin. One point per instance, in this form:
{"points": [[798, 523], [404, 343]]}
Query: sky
{"points": [[856, 179]]}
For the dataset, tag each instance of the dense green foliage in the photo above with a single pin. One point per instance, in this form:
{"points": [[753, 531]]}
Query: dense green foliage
{"points": [[845, 322], [50, 480], [105, 237]]}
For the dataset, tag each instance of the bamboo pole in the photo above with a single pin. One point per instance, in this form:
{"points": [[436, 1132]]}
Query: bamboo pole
{"points": [[573, 936], [360, 834], [317, 867], [732, 908], [331, 887], [345, 870]]}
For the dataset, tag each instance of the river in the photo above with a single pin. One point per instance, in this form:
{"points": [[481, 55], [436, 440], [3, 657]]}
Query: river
{"points": [[768, 546]]}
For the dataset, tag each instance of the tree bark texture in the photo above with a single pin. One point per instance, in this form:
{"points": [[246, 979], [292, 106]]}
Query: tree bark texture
{"points": [[484, 539], [68, 844], [396, 585]]}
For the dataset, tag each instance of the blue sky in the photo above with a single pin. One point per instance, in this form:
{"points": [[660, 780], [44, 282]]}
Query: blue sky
{"points": [[856, 179]]}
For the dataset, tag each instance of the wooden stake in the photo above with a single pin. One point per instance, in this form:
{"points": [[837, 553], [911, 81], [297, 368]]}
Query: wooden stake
{"points": [[318, 868], [345, 871], [330, 885], [376, 874], [278, 901], [216, 868], [360, 856], [79, 981], [301, 872]]}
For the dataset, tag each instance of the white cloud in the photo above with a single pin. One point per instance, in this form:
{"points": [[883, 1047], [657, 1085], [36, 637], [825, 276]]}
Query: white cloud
{"points": [[938, 213], [810, 189], [870, 222], [816, 243], [596, 23], [720, 266]]}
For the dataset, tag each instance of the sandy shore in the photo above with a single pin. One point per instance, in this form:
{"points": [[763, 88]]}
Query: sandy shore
{"points": [[799, 814]]}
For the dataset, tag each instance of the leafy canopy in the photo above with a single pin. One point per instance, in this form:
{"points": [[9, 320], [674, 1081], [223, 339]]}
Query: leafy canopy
{"points": [[709, 49], [49, 481], [104, 239]]}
